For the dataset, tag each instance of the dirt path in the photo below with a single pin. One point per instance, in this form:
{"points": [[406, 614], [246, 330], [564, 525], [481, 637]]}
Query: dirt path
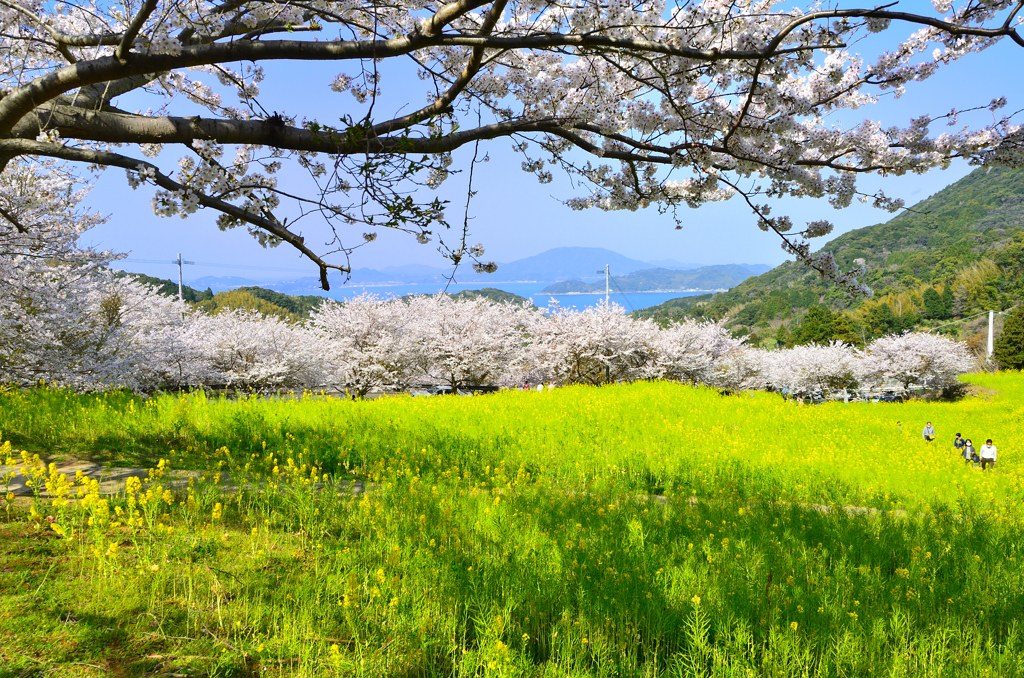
{"points": [[112, 479]]}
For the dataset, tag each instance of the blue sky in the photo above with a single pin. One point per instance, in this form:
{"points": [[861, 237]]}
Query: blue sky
{"points": [[513, 215]]}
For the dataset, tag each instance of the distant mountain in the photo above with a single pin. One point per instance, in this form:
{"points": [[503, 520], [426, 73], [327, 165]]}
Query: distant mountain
{"points": [[554, 265], [705, 278], [563, 263], [559, 263], [573, 287], [674, 264], [495, 295]]}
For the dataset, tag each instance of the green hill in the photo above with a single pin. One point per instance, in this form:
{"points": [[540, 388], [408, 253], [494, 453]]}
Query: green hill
{"points": [[965, 244], [168, 288], [267, 302], [284, 306], [495, 295]]}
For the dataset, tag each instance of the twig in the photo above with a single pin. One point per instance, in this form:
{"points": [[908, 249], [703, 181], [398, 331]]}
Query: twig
{"points": [[226, 643], [160, 635]]}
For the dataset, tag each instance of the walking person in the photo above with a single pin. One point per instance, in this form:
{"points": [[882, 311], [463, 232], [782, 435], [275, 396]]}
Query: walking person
{"points": [[929, 432], [969, 453], [958, 443], [988, 455]]}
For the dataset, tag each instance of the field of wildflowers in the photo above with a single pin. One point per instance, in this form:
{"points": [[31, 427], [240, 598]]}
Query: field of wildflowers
{"points": [[644, 529]]}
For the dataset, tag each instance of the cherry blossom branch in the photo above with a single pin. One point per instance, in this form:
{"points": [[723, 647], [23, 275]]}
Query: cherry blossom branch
{"points": [[152, 173], [444, 101], [13, 219]]}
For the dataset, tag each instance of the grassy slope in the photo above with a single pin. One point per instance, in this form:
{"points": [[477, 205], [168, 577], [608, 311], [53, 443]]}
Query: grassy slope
{"points": [[509, 535], [954, 227]]}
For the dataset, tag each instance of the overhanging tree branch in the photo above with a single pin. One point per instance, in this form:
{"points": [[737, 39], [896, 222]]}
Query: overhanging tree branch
{"points": [[662, 106], [153, 173]]}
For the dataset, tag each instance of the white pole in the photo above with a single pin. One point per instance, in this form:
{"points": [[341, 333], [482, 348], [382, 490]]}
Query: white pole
{"points": [[607, 304], [991, 317], [181, 297]]}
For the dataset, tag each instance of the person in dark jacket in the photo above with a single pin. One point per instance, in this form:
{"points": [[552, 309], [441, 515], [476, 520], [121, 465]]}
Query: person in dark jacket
{"points": [[969, 454]]}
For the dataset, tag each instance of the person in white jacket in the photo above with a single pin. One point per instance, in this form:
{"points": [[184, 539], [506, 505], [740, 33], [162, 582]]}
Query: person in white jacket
{"points": [[987, 454]]}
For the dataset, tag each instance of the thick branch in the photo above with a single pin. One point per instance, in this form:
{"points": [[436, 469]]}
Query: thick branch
{"points": [[45, 88], [105, 126], [445, 100], [449, 13], [128, 39]]}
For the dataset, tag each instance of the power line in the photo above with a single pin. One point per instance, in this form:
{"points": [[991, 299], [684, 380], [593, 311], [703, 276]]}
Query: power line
{"points": [[991, 326], [174, 262], [623, 293], [938, 327]]}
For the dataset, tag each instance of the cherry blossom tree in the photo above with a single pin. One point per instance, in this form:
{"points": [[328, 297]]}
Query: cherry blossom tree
{"points": [[694, 351], [246, 350], [915, 359], [65, 318], [647, 103], [470, 342], [743, 370], [367, 343], [813, 368], [597, 345]]}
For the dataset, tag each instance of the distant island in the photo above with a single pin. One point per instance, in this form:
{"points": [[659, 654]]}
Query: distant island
{"points": [[703, 279], [554, 265]]}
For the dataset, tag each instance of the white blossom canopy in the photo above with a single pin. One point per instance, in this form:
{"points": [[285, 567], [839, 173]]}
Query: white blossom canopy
{"points": [[649, 103]]}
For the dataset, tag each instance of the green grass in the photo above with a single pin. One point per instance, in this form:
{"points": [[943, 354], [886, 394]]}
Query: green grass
{"points": [[520, 534]]}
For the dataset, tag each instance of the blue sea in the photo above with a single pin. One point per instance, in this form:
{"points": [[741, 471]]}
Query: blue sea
{"points": [[633, 301]]}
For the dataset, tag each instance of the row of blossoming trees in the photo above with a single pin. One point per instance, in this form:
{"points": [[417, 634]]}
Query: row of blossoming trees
{"points": [[129, 336], [67, 319]]}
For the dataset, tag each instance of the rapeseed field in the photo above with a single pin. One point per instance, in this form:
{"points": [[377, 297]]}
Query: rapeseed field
{"points": [[643, 529]]}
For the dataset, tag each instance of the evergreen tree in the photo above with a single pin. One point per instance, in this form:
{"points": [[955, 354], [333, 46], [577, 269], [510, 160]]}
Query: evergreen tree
{"points": [[782, 338], [947, 301], [1009, 349], [880, 320], [934, 306], [817, 327], [843, 330]]}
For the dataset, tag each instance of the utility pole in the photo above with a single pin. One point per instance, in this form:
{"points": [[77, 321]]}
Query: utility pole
{"points": [[991, 318], [607, 288], [179, 262]]}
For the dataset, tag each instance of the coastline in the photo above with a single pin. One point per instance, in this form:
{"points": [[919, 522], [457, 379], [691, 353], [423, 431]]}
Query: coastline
{"points": [[658, 291]]}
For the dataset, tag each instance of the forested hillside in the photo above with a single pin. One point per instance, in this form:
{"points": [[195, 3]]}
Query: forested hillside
{"points": [[168, 288], [958, 253], [283, 306]]}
